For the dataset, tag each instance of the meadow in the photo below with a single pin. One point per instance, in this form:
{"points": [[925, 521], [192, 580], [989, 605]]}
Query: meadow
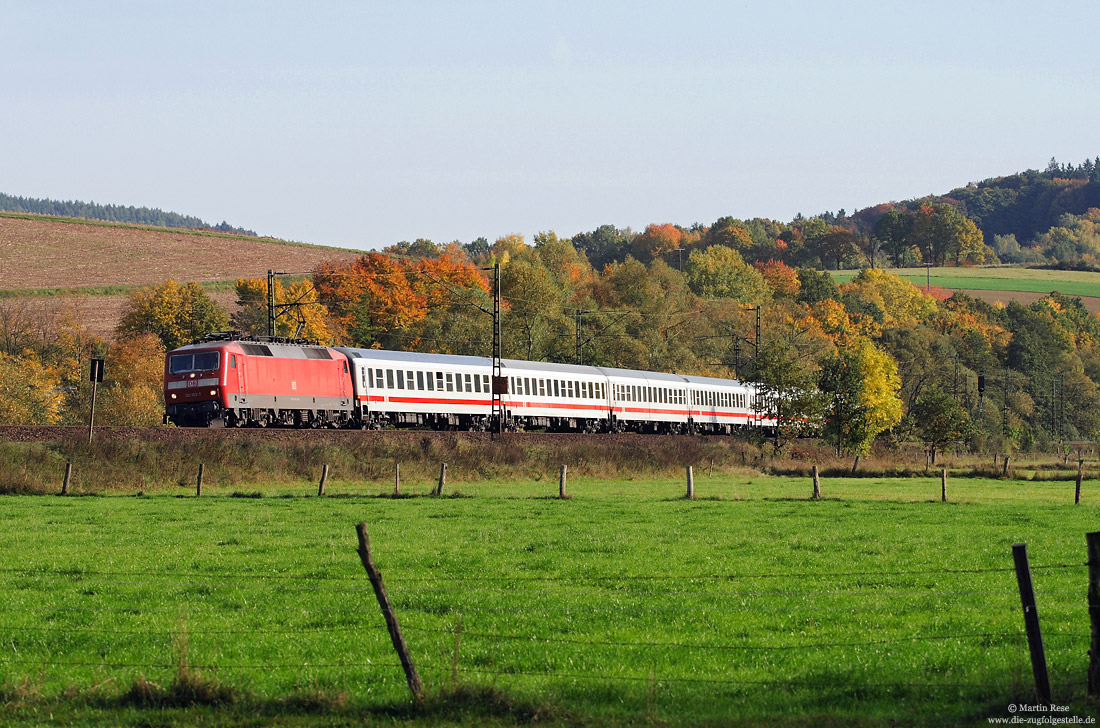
{"points": [[1033, 280], [626, 604]]}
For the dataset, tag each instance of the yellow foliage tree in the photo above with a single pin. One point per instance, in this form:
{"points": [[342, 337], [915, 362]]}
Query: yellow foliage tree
{"points": [[32, 392], [134, 395], [176, 314], [860, 384], [296, 304], [901, 302]]}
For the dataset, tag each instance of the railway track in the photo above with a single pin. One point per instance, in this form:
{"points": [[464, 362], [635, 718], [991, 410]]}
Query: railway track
{"points": [[182, 435]]}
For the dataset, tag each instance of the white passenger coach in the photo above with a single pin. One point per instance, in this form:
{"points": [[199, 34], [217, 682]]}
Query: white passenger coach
{"points": [[454, 392]]}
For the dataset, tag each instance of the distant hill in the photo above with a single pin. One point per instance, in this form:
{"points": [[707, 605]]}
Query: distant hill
{"points": [[93, 264], [112, 213]]}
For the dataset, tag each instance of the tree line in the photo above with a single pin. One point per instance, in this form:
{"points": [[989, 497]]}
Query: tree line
{"points": [[112, 213]]}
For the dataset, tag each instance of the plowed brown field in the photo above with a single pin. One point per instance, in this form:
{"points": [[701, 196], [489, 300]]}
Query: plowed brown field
{"points": [[39, 253]]}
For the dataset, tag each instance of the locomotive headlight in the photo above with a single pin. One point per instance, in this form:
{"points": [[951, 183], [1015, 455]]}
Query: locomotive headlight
{"points": [[213, 392], [173, 396]]}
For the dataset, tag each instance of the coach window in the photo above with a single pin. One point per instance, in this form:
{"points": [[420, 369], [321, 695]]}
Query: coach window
{"points": [[458, 382], [429, 379], [485, 383], [469, 383], [556, 390], [450, 383], [420, 380], [477, 382], [368, 374], [389, 379]]}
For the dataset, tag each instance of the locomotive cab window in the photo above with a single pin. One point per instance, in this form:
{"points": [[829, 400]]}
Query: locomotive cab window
{"points": [[204, 361], [232, 361]]}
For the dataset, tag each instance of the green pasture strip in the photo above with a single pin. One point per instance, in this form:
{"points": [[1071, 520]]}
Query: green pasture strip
{"points": [[625, 603], [1072, 283], [179, 231], [101, 290]]}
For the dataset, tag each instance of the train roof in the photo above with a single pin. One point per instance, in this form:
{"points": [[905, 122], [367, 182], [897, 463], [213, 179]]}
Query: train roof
{"points": [[260, 347], [641, 374], [711, 381], [549, 366], [524, 365], [414, 356]]}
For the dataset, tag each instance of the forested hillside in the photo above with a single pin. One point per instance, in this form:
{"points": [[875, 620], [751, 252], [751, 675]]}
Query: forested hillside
{"points": [[112, 213]]}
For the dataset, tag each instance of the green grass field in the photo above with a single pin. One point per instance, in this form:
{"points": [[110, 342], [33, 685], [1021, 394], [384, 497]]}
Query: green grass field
{"points": [[1072, 283], [625, 605]]}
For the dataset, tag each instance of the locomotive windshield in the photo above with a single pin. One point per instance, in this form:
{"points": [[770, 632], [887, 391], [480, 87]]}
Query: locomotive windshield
{"points": [[203, 361]]}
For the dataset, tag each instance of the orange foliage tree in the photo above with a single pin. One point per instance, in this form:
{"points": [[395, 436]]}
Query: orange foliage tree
{"points": [[657, 240], [378, 301], [780, 276]]}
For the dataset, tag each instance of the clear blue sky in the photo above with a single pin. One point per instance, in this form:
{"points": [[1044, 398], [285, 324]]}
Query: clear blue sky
{"points": [[360, 124]]}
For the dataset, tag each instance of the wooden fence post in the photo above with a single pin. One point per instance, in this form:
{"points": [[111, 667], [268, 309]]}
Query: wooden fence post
{"points": [[397, 478], [68, 477], [1031, 622], [561, 482], [1080, 477], [690, 484], [324, 479], [1093, 542], [442, 479], [817, 485], [198, 480], [1006, 461], [398, 639], [943, 486]]}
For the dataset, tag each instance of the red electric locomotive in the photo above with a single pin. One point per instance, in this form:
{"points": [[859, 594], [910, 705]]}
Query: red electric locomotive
{"points": [[220, 380]]}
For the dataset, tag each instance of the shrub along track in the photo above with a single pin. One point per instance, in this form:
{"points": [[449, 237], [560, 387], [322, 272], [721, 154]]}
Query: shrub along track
{"points": [[121, 458]]}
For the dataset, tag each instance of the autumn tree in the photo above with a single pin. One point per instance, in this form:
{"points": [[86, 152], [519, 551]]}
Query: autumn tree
{"points": [[31, 391], [655, 241], [457, 303], [134, 392], [943, 233], [720, 272], [939, 419], [860, 385], [176, 314], [298, 313], [368, 298], [781, 277], [731, 235]]}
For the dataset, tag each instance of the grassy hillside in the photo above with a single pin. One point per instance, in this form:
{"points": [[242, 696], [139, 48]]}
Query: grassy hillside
{"points": [[1000, 280]]}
